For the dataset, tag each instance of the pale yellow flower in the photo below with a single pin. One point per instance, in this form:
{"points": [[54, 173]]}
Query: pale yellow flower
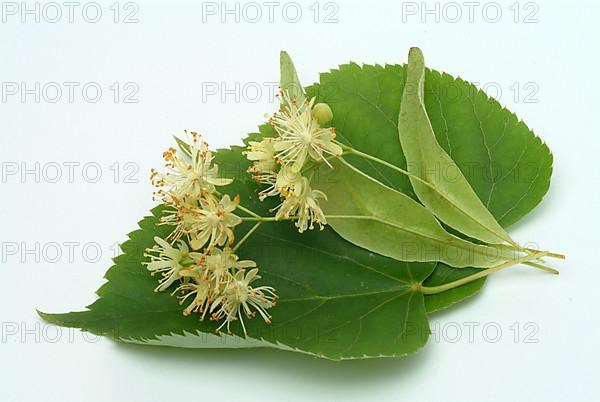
{"points": [[287, 180], [212, 223], [221, 262], [188, 178], [169, 261], [201, 290], [239, 299], [303, 205], [301, 136], [263, 155]]}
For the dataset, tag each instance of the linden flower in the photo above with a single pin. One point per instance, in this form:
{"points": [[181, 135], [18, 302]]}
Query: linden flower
{"points": [[287, 180], [173, 218], [213, 222], [168, 261], [300, 135], [201, 290], [304, 206], [188, 179], [220, 262], [263, 155], [240, 298]]}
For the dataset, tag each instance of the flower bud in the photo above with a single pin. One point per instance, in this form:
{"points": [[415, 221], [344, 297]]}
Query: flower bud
{"points": [[322, 113]]}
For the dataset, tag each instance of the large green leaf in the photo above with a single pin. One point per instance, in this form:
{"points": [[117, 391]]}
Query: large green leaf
{"points": [[336, 300], [506, 164], [357, 303]]}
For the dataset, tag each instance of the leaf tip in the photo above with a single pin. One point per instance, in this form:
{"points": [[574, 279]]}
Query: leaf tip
{"points": [[44, 316], [284, 56], [415, 53]]}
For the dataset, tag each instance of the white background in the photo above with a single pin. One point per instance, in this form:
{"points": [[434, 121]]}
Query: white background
{"points": [[171, 55]]}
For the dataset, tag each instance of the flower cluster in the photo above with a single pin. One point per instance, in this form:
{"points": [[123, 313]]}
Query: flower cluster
{"points": [[282, 162], [197, 255]]}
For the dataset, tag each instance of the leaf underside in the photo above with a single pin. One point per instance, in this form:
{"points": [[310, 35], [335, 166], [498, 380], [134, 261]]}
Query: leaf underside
{"points": [[453, 201], [390, 223], [337, 300]]}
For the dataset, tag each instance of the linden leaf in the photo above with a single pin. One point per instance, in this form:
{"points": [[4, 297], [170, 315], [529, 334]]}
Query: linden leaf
{"points": [[362, 294], [337, 301], [508, 167]]}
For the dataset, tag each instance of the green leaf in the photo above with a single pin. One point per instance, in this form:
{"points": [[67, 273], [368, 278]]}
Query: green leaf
{"points": [[508, 166], [337, 300], [451, 199], [385, 221], [289, 79], [364, 100]]}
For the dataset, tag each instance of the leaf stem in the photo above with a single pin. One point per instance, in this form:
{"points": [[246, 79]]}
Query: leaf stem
{"points": [[540, 266], [431, 290], [249, 212], [259, 219], [247, 236], [240, 207]]}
